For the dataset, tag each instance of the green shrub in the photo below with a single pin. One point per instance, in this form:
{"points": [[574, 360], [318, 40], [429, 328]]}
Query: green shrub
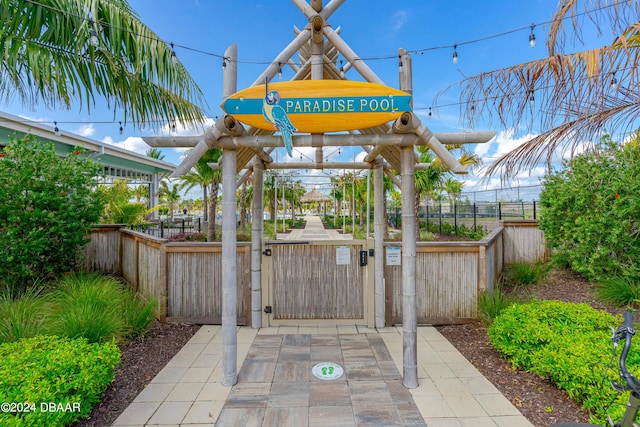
{"points": [[48, 369], [89, 306], [22, 315], [570, 344], [526, 273], [48, 205], [137, 314], [590, 210], [619, 290]]}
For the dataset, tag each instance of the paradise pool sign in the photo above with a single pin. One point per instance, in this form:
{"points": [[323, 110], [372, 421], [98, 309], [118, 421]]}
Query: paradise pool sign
{"points": [[317, 106]]}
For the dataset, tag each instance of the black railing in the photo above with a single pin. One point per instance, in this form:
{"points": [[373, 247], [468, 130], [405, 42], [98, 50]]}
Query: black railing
{"points": [[171, 229], [471, 215]]}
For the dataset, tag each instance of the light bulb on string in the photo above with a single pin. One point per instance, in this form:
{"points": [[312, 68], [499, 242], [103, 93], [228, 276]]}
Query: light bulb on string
{"points": [[224, 63], [341, 70], [455, 54], [56, 130], [532, 98], [121, 130], [280, 70], [614, 81], [174, 58], [532, 37], [93, 35], [430, 114]]}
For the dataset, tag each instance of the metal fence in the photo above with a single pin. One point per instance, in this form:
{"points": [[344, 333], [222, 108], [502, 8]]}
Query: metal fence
{"points": [[171, 229], [437, 215]]}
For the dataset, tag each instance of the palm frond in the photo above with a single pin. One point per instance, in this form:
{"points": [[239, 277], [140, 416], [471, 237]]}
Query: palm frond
{"points": [[47, 59]]}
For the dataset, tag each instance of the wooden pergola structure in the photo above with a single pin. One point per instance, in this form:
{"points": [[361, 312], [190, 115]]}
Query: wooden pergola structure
{"points": [[389, 147]]}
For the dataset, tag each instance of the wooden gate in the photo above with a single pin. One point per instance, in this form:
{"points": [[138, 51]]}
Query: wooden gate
{"points": [[317, 283]]}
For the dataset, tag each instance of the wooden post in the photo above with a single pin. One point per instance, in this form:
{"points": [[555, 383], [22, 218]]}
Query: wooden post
{"points": [[378, 238], [409, 312], [257, 223], [229, 270]]}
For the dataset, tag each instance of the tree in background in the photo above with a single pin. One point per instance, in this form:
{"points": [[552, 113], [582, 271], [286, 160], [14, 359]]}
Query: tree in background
{"points": [[155, 153], [169, 195], [453, 188], [118, 209], [48, 205], [57, 52]]}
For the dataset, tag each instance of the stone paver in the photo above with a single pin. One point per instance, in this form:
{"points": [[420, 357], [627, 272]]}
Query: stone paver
{"points": [[276, 387]]}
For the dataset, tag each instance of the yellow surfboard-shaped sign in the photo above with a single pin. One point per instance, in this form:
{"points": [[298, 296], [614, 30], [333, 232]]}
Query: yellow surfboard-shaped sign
{"points": [[317, 106]]}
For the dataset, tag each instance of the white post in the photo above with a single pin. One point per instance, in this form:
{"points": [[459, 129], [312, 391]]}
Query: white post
{"points": [[229, 243], [378, 237], [257, 219], [409, 315], [229, 270]]}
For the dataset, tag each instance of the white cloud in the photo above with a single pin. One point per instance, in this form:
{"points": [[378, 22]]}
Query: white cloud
{"points": [[398, 19], [132, 143], [86, 130]]}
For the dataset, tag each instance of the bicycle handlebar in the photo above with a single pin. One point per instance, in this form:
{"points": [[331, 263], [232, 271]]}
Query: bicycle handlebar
{"points": [[626, 331]]}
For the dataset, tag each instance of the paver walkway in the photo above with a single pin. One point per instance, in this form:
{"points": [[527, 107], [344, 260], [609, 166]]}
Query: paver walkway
{"points": [[314, 230], [277, 388]]}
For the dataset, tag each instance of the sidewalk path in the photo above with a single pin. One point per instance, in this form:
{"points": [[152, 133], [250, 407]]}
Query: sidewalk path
{"points": [[314, 230], [276, 386]]}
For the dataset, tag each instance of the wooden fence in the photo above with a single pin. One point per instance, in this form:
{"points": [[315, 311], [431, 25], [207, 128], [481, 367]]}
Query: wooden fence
{"points": [[186, 277]]}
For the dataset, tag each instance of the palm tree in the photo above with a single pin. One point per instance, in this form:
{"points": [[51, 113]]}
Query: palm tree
{"points": [[214, 178], [194, 179], [155, 153], [141, 192], [573, 96], [209, 180], [60, 52], [453, 188], [169, 195]]}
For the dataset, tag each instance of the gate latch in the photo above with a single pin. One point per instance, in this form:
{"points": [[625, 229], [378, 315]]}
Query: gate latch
{"points": [[363, 258], [267, 309]]}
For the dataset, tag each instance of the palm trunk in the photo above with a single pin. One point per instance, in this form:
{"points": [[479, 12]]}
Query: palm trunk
{"points": [[213, 204], [243, 207], [206, 204]]}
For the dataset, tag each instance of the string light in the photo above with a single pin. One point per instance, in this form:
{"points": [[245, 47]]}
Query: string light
{"points": [[93, 35], [174, 58], [173, 127], [455, 54], [121, 130], [614, 81], [341, 70], [532, 98], [421, 51], [224, 63], [56, 130], [429, 112], [532, 37], [399, 61], [280, 70]]}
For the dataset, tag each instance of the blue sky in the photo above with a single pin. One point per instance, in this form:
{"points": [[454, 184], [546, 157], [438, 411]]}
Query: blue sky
{"points": [[374, 29]]}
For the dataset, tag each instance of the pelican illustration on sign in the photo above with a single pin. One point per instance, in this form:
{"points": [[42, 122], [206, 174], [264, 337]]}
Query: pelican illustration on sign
{"points": [[316, 106]]}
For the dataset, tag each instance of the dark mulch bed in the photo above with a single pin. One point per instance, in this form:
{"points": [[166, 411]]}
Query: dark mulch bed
{"points": [[539, 400], [141, 360]]}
